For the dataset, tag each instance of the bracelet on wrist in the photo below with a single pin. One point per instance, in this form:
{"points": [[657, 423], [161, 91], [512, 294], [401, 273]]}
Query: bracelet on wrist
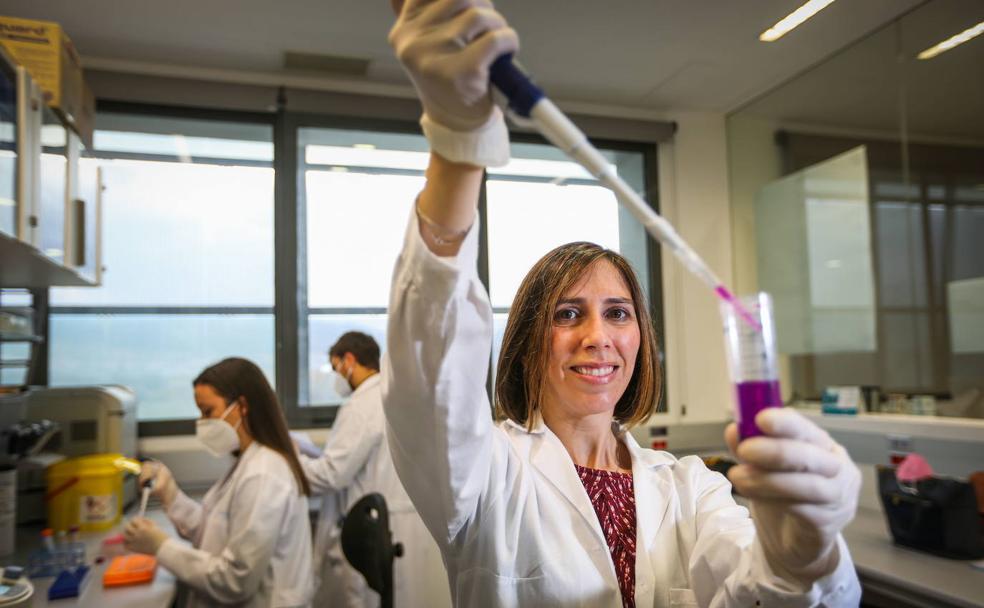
{"points": [[438, 233]]}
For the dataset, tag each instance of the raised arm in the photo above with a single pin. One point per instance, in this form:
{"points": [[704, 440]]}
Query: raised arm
{"points": [[439, 336]]}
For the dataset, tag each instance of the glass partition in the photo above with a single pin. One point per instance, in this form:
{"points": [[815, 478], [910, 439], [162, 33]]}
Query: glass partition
{"points": [[857, 191]]}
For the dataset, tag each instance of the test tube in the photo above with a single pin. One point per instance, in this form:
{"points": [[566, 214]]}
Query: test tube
{"points": [[47, 540], [751, 352]]}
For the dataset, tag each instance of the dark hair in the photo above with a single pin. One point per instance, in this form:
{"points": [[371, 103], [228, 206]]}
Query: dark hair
{"points": [[521, 377], [235, 377], [362, 346]]}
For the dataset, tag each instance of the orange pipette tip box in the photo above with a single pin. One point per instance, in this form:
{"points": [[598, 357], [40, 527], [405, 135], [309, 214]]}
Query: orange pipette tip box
{"points": [[133, 569]]}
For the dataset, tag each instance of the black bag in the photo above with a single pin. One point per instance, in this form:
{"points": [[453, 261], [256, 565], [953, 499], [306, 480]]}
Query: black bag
{"points": [[935, 515]]}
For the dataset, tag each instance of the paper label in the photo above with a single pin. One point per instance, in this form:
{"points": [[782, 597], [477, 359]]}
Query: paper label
{"points": [[97, 509]]}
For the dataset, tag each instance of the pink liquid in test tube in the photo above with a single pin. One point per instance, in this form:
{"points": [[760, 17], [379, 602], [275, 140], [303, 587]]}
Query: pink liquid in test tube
{"points": [[749, 335], [753, 397]]}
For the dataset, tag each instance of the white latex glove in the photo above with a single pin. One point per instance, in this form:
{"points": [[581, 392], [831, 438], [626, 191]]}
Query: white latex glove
{"points": [[165, 488], [143, 536], [804, 490], [447, 46]]}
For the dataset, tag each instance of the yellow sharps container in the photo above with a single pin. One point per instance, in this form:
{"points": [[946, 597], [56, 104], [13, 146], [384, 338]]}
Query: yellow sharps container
{"points": [[87, 491]]}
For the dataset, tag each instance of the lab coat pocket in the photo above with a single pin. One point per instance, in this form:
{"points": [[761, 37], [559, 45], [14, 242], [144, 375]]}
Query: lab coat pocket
{"points": [[682, 598], [481, 587]]}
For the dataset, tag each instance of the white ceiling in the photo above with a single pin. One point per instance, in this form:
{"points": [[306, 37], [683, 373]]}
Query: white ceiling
{"points": [[872, 84], [646, 54]]}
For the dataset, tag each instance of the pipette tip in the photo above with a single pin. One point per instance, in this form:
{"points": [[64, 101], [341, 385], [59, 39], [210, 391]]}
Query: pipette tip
{"points": [[728, 297]]}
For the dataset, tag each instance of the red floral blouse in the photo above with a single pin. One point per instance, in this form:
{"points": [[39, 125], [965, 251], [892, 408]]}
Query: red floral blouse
{"points": [[613, 499]]}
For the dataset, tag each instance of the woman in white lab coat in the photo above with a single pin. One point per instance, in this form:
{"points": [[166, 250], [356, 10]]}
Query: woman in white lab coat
{"points": [[250, 536], [557, 505]]}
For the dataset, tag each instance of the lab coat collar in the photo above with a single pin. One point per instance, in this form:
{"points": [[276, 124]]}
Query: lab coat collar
{"points": [[551, 459], [652, 491], [650, 459], [538, 425], [652, 494], [647, 458], [367, 384]]}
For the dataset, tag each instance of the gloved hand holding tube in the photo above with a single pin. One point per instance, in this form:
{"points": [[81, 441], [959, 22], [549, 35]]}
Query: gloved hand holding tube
{"points": [[804, 490]]}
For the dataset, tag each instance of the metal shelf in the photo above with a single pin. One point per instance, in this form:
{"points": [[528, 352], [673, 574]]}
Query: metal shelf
{"points": [[24, 266]]}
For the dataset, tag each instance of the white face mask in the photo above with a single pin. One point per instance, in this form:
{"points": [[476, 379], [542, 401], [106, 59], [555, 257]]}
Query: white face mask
{"points": [[341, 384], [218, 436]]}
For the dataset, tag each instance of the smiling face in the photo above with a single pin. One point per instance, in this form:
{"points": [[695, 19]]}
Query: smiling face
{"points": [[594, 342]]}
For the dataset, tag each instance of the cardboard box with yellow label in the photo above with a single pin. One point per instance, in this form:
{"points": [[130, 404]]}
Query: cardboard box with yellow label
{"points": [[49, 55]]}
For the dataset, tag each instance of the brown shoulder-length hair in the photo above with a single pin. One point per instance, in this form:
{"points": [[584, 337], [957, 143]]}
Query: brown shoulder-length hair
{"points": [[233, 378], [521, 378]]}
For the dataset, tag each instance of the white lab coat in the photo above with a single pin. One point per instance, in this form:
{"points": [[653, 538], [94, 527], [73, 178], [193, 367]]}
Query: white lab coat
{"points": [[250, 535], [355, 462], [506, 505]]}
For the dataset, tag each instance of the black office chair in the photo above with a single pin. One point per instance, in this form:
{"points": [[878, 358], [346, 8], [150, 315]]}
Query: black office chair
{"points": [[368, 545]]}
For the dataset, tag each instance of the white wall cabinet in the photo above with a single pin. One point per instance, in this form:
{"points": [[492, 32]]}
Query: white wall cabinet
{"points": [[49, 229]]}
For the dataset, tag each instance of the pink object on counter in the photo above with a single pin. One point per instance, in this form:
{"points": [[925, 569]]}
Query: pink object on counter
{"points": [[112, 546], [913, 468]]}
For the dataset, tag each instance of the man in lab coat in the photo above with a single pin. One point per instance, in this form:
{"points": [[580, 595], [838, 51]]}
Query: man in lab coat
{"points": [[355, 462]]}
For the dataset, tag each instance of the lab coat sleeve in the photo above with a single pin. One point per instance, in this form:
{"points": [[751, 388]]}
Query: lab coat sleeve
{"points": [[350, 442], [439, 423], [186, 515], [728, 567], [253, 527]]}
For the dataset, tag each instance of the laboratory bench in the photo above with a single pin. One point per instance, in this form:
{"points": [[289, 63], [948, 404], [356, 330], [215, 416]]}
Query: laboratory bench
{"points": [[158, 594], [898, 577]]}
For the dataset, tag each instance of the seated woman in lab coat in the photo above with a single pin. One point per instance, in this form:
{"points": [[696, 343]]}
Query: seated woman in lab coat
{"points": [[250, 536], [557, 505]]}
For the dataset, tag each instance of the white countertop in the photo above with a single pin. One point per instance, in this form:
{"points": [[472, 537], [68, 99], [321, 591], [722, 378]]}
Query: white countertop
{"points": [[158, 594], [913, 577]]}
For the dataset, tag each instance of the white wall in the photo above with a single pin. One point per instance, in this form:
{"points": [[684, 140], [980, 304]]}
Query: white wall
{"points": [[694, 196]]}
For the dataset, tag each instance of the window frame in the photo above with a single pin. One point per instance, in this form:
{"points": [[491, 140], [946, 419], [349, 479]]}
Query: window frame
{"points": [[290, 254], [178, 426]]}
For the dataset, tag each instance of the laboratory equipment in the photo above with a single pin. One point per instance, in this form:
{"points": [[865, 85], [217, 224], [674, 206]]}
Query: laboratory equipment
{"points": [[11, 574], [144, 497], [15, 594], [87, 491], [752, 360], [132, 569], [69, 583], [94, 419], [51, 559], [529, 106]]}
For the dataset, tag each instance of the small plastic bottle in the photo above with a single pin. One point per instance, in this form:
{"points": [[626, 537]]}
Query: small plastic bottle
{"points": [[47, 540]]}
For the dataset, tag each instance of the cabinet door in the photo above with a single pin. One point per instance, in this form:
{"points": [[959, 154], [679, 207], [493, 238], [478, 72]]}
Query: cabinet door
{"points": [[84, 224], [53, 200], [8, 148]]}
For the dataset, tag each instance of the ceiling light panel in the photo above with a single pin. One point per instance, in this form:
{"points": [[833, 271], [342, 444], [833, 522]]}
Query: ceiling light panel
{"points": [[793, 20]]}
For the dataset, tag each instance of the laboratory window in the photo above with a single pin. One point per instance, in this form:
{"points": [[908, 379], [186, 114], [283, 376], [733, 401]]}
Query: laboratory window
{"points": [[358, 192], [188, 243]]}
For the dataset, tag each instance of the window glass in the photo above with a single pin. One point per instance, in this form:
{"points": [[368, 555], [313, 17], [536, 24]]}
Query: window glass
{"points": [[359, 191], [188, 256]]}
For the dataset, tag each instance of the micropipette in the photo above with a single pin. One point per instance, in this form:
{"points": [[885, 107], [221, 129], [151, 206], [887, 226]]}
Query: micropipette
{"points": [[144, 497], [529, 105]]}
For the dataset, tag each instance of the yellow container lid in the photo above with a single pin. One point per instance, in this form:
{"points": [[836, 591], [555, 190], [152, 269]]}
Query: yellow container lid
{"points": [[94, 465]]}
